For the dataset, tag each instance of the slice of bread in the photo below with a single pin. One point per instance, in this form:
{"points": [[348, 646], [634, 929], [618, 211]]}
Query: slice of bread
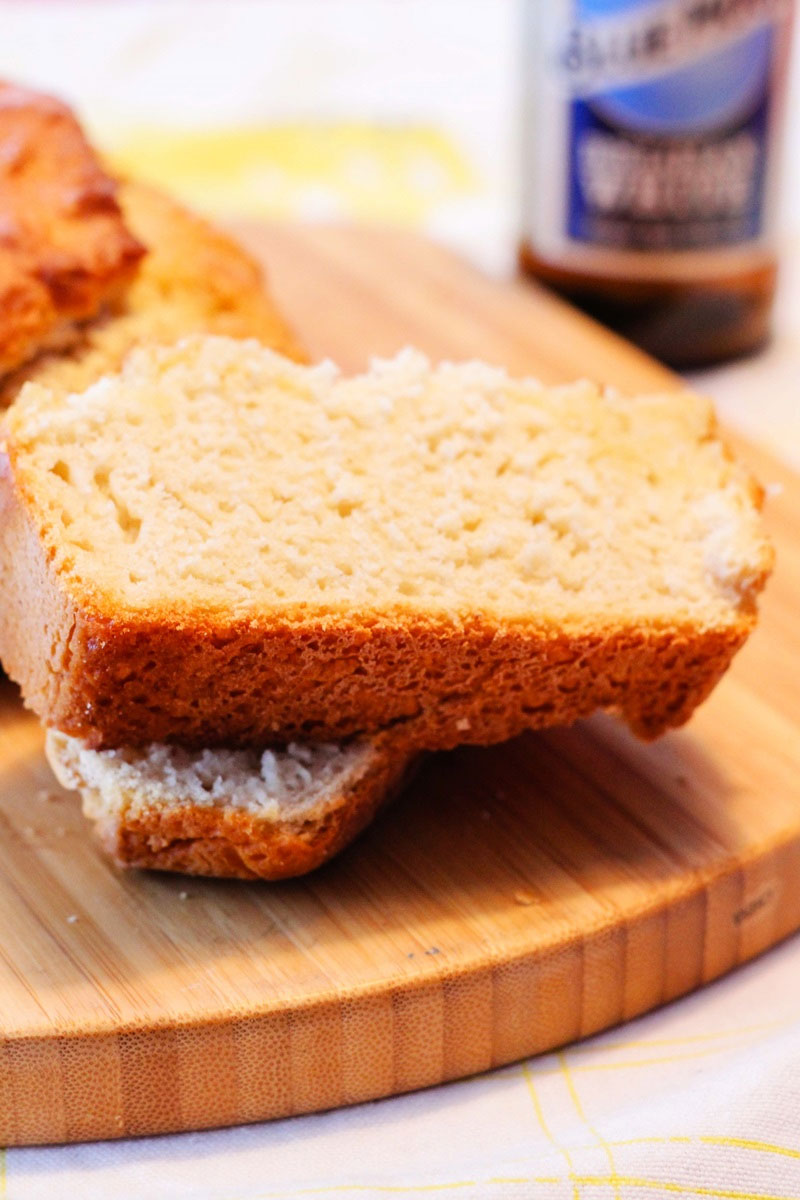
{"points": [[193, 279], [239, 814], [222, 547]]}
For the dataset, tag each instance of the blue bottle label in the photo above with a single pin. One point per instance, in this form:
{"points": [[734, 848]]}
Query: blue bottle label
{"points": [[668, 132], [663, 110]]}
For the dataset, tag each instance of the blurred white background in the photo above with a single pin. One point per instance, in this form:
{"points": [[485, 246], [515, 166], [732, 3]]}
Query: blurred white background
{"points": [[387, 110], [393, 110]]}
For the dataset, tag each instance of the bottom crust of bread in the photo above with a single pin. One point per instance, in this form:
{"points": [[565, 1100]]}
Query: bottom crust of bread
{"points": [[115, 683], [231, 842]]}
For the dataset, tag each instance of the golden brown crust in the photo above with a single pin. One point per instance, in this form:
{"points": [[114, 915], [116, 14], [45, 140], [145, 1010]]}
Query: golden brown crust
{"points": [[235, 844], [64, 247], [452, 683], [115, 680], [193, 279]]}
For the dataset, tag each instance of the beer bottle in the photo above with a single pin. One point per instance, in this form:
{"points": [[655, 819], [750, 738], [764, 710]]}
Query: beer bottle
{"points": [[651, 132]]}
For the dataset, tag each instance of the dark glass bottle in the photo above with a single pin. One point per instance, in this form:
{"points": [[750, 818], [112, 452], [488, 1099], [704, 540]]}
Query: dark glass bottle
{"points": [[649, 168]]}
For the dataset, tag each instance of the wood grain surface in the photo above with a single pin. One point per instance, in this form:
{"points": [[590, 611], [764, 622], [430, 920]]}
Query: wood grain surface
{"points": [[513, 899]]}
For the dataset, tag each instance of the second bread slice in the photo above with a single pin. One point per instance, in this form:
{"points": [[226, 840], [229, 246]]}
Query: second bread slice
{"points": [[222, 547], [240, 814]]}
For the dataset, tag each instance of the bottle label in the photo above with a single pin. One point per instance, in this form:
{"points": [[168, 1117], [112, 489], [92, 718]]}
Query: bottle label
{"points": [[652, 122]]}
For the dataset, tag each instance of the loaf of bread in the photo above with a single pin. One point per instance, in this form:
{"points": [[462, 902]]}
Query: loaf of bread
{"points": [[193, 279], [220, 547], [230, 813], [65, 250]]}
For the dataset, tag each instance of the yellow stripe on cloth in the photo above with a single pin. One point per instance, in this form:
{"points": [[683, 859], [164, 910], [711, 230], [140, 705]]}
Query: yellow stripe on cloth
{"points": [[604, 1047], [562, 1062], [577, 1180], [681, 1189], [585, 1068], [710, 1140], [749, 1144], [527, 1075]]}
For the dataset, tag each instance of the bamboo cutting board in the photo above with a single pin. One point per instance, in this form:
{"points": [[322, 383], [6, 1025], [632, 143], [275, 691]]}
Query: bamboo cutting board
{"points": [[515, 898]]}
